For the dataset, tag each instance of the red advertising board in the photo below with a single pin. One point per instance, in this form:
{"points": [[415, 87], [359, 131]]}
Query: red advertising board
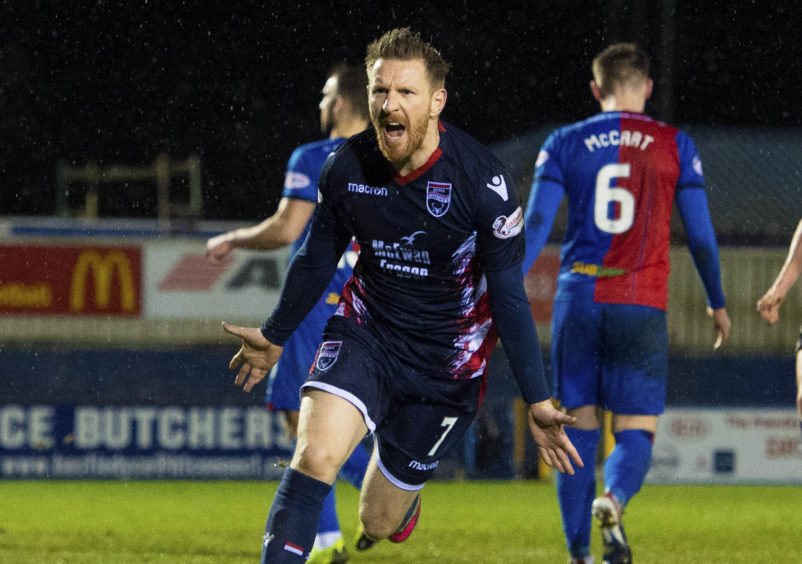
{"points": [[70, 280]]}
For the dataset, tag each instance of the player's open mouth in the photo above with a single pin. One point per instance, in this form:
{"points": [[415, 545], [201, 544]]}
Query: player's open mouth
{"points": [[394, 130]]}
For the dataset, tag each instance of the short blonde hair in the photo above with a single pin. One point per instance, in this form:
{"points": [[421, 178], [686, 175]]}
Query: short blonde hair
{"points": [[618, 65], [403, 45]]}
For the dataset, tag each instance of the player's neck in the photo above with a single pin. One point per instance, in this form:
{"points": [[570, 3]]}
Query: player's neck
{"points": [[625, 100], [348, 128], [613, 104]]}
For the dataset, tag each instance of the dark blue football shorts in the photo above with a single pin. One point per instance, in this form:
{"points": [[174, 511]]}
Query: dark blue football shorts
{"points": [[611, 355], [415, 417]]}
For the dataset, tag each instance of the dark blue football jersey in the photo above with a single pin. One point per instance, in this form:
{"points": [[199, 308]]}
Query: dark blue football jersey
{"points": [[426, 241]]}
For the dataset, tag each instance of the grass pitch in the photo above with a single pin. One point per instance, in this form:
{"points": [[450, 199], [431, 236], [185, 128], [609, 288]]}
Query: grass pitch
{"points": [[461, 522]]}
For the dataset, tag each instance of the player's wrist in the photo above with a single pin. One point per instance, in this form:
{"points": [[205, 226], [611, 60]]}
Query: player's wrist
{"points": [[233, 238], [540, 405]]}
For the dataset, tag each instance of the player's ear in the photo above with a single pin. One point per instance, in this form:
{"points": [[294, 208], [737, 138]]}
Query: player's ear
{"points": [[340, 105], [438, 102], [596, 91], [649, 89]]}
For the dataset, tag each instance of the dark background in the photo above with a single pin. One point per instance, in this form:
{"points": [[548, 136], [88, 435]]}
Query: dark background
{"points": [[239, 84]]}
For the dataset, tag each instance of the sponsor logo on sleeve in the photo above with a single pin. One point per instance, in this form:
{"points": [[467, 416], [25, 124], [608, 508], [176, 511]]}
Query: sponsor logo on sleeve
{"points": [[542, 157], [697, 165], [499, 186], [438, 198], [327, 354], [505, 227], [295, 180]]}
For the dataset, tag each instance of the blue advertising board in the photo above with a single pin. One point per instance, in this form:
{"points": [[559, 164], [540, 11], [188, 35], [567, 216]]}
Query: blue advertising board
{"points": [[133, 414], [174, 413], [140, 442]]}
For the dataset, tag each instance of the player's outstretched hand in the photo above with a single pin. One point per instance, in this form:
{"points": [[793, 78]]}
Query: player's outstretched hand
{"points": [[721, 322], [255, 357], [769, 305], [546, 425]]}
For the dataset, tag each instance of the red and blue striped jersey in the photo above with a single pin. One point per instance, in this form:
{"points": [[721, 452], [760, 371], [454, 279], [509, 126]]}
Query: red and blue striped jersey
{"points": [[620, 172]]}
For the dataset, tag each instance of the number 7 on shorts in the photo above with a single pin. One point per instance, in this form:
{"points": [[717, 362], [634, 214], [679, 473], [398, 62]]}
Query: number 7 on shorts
{"points": [[448, 423]]}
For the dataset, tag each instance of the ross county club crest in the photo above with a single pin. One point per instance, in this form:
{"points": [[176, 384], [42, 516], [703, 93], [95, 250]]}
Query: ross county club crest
{"points": [[327, 354], [438, 198]]}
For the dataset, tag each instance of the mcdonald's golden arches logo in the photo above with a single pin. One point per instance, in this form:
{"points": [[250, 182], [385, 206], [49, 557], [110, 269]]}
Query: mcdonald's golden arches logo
{"points": [[102, 267]]}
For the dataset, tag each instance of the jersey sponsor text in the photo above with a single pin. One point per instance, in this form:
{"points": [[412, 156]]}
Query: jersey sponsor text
{"points": [[365, 189], [414, 464]]}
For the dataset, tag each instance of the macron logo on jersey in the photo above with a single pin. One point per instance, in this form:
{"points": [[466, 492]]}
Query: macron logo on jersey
{"points": [[365, 189], [498, 186], [295, 180]]}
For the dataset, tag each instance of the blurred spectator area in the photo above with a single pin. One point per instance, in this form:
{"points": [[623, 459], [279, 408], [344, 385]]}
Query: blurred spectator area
{"points": [[753, 176], [173, 185]]}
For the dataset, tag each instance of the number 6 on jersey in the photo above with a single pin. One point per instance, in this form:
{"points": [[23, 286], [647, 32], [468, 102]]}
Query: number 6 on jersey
{"points": [[605, 194]]}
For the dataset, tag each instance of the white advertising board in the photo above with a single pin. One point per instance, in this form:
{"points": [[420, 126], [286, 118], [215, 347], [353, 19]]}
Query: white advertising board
{"points": [[179, 283], [727, 446]]}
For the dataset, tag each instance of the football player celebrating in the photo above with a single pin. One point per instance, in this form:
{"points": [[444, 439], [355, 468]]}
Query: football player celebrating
{"points": [[439, 229]]}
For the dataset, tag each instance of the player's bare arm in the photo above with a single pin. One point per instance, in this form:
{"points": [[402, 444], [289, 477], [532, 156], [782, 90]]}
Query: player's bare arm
{"points": [[255, 357], [546, 425], [769, 304], [279, 230]]}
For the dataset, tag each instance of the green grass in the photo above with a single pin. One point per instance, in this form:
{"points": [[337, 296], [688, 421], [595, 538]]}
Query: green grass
{"points": [[461, 522]]}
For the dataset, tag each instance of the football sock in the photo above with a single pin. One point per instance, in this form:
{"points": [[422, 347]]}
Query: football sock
{"points": [[328, 528], [410, 513], [576, 493], [354, 468], [327, 540], [293, 518], [626, 467]]}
